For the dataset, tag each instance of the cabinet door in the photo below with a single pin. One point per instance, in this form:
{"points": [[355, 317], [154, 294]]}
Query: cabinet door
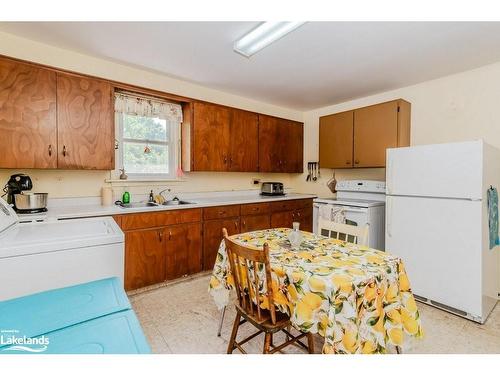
{"points": [[85, 123], [212, 236], [244, 150], [257, 222], [27, 116], [269, 144], [305, 217], [211, 125], [375, 130], [183, 250], [336, 140], [144, 258], [293, 148], [282, 219]]}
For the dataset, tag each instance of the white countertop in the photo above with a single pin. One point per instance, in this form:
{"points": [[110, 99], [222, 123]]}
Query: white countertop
{"points": [[89, 207]]}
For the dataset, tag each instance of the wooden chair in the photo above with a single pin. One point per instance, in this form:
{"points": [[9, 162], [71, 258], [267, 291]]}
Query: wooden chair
{"points": [[345, 232], [266, 321]]}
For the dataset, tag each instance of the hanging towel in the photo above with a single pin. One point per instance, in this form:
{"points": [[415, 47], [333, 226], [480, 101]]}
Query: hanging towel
{"points": [[332, 213], [493, 216]]}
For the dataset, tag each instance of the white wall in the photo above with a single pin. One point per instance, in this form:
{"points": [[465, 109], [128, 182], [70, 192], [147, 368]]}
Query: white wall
{"points": [[459, 107], [60, 183]]}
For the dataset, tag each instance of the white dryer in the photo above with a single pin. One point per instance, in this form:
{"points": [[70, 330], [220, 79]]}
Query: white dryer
{"points": [[39, 256]]}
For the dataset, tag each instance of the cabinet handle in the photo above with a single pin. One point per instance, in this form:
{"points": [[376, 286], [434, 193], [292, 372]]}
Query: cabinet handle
{"points": [[236, 225], [243, 223], [50, 150], [356, 161], [298, 214], [348, 162], [160, 236], [225, 159], [222, 212], [64, 151], [293, 215], [169, 235]]}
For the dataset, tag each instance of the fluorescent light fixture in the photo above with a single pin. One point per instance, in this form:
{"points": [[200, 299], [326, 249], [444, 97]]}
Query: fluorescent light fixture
{"points": [[263, 35]]}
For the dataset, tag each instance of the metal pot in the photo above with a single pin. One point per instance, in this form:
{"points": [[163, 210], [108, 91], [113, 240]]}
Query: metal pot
{"points": [[30, 201]]}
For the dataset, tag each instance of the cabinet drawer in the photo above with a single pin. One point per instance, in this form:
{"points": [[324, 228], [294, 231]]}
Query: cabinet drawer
{"points": [[257, 222], [221, 212], [255, 209], [290, 205], [158, 219]]}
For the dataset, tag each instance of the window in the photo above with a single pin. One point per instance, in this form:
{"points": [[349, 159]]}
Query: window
{"points": [[148, 140]]}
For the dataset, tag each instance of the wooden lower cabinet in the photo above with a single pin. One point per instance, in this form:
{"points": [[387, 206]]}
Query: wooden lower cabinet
{"points": [[212, 236], [257, 222], [145, 258], [167, 245], [285, 219], [183, 250]]}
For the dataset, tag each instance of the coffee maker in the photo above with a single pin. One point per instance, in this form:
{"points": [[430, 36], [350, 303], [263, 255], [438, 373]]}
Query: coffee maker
{"points": [[16, 185]]}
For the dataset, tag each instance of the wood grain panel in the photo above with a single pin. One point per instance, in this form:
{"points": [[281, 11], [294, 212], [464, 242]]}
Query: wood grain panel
{"points": [[220, 212], [290, 205], [27, 116], [210, 137], [375, 130], [243, 145], [159, 219], [336, 140], [255, 222], [269, 144], [282, 219], [404, 120], [85, 120], [255, 208], [293, 150], [183, 250], [145, 258], [212, 236]]}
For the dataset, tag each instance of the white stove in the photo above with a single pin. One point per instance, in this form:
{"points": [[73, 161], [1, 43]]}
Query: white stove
{"points": [[363, 203]]}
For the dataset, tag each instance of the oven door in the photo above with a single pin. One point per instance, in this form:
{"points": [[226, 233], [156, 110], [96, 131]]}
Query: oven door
{"points": [[353, 215]]}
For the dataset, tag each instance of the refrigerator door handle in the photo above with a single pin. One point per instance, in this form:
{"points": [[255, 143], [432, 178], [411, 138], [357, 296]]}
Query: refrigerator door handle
{"points": [[388, 183], [389, 215]]}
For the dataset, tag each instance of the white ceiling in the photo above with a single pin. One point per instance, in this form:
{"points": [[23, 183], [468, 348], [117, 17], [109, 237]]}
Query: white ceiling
{"points": [[319, 64]]}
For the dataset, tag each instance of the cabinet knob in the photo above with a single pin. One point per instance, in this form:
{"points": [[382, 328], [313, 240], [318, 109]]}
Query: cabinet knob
{"points": [[225, 159], [50, 150], [236, 225], [64, 151], [169, 235], [348, 162], [160, 236], [356, 161], [298, 214]]}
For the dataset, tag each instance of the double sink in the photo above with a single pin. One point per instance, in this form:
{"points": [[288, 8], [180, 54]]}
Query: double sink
{"points": [[173, 202]]}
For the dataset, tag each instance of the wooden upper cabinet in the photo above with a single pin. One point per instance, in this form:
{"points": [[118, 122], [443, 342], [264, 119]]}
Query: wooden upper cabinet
{"points": [[280, 145], [336, 140], [27, 116], [375, 131], [211, 125], [85, 122], [360, 138], [243, 142]]}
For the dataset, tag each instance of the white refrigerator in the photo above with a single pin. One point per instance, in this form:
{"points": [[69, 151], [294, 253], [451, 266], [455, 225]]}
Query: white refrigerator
{"points": [[437, 222]]}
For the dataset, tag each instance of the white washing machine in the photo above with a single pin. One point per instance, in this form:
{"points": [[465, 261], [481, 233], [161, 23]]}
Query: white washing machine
{"points": [[363, 202], [40, 256]]}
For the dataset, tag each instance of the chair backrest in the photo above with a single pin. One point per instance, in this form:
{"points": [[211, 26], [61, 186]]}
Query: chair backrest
{"points": [[245, 262], [349, 233]]}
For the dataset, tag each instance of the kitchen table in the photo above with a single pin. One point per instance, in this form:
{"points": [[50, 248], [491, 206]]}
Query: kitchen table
{"points": [[359, 299]]}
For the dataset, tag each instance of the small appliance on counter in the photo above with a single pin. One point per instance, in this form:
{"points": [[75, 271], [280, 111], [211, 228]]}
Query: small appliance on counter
{"points": [[24, 203], [272, 188]]}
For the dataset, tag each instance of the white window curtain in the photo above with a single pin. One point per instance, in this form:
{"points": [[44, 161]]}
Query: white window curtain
{"points": [[147, 107]]}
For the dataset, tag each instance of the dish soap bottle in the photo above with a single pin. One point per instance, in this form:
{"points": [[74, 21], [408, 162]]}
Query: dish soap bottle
{"points": [[126, 197], [295, 236]]}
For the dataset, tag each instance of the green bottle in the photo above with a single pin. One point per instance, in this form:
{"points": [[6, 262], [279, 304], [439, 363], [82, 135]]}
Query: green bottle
{"points": [[126, 197]]}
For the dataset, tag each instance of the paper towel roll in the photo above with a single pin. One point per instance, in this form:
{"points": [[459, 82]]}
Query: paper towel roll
{"points": [[106, 196]]}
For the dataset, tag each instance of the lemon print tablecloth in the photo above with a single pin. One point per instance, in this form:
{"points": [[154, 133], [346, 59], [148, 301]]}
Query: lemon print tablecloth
{"points": [[359, 299]]}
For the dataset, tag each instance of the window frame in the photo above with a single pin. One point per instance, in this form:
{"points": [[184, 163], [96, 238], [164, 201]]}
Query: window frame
{"points": [[173, 146]]}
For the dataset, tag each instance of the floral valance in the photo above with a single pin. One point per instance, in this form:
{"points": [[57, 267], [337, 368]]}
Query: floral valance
{"points": [[147, 107]]}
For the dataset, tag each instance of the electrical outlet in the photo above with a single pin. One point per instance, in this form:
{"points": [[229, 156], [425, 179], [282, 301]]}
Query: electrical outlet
{"points": [[255, 181]]}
